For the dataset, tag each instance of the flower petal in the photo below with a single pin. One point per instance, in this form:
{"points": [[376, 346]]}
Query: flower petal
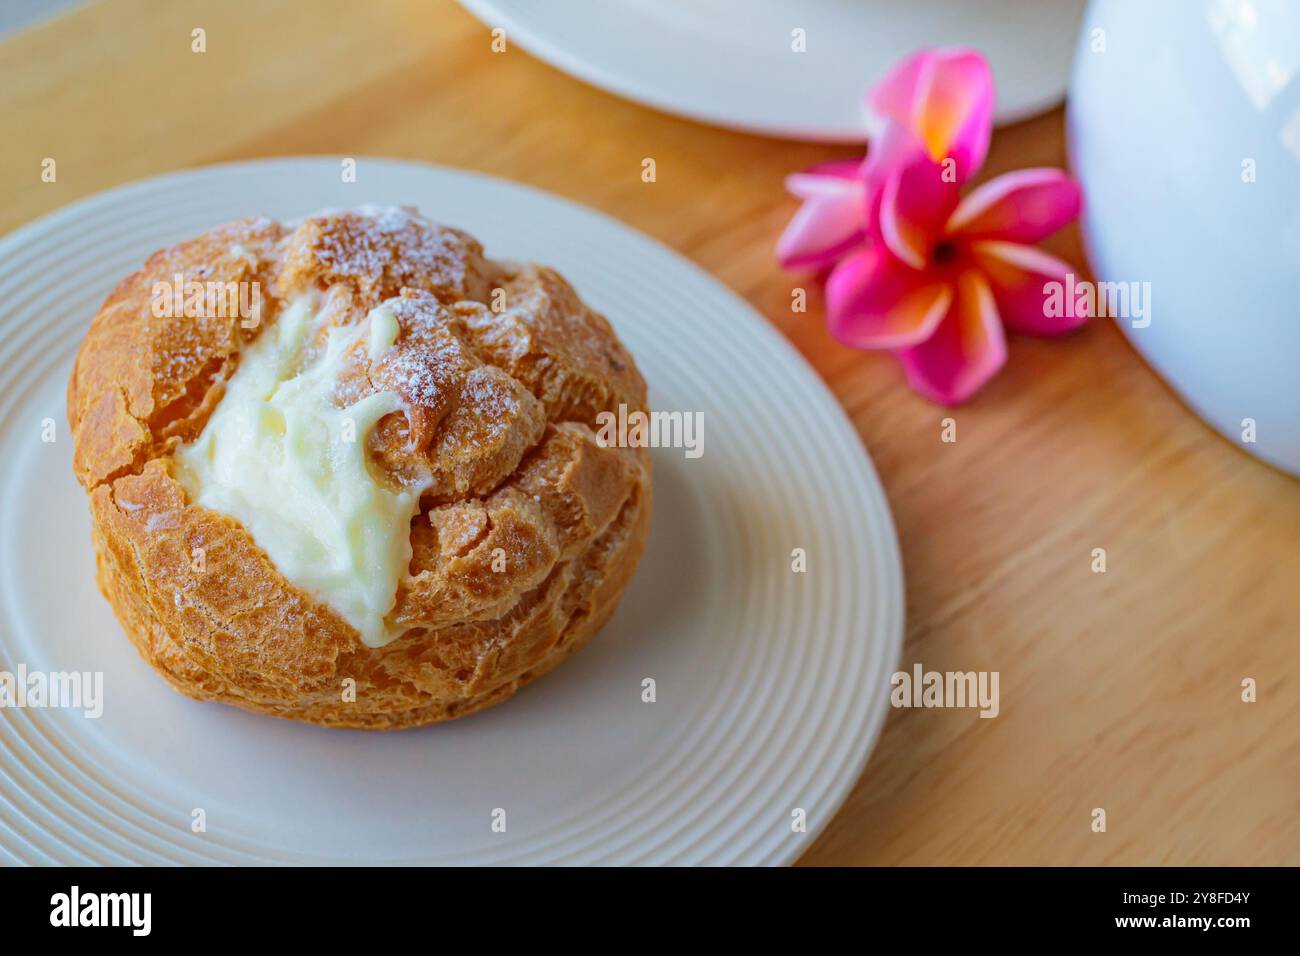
{"points": [[1022, 279], [945, 97], [825, 178], [892, 147], [967, 349], [1024, 206], [873, 301], [831, 221], [915, 202]]}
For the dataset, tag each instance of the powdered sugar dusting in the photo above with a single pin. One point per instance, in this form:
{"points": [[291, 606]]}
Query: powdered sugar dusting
{"points": [[433, 357], [387, 246]]}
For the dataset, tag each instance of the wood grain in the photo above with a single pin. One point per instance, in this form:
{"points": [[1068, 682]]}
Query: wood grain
{"points": [[1119, 690]]}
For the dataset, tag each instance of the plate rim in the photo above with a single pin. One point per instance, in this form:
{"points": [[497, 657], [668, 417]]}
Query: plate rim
{"points": [[564, 57]]}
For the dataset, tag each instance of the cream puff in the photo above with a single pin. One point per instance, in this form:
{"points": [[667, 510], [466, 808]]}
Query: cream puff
{"points": [[346, 471]]}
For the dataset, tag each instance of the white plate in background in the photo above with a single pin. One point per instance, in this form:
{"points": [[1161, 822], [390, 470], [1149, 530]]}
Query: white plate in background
{"points": [[772, 686], [731, 63]]}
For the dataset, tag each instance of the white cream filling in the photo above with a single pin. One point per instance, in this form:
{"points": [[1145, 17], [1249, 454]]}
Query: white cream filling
{"points": [[281, 458]]}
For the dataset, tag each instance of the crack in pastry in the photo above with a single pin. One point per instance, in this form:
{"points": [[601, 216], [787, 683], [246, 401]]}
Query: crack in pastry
{"points": [[287, 460], [466, 534]]}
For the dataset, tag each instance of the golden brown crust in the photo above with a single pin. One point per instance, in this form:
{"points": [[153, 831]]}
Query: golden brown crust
{"points": [[503, 404]]}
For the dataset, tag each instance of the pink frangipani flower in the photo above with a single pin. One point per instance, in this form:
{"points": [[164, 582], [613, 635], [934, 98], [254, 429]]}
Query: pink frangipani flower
{"points": [[940, 275], [937, 102], [915, 268]]}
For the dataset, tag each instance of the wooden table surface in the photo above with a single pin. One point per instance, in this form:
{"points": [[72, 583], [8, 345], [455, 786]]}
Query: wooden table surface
{"points": [[1119, 690]]}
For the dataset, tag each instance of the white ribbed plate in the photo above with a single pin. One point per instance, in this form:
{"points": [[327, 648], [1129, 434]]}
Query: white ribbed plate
{"points": [[772, 686]]}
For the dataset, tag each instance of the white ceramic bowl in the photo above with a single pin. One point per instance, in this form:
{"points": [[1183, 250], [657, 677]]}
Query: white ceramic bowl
{"points": [[1184, 127]]}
